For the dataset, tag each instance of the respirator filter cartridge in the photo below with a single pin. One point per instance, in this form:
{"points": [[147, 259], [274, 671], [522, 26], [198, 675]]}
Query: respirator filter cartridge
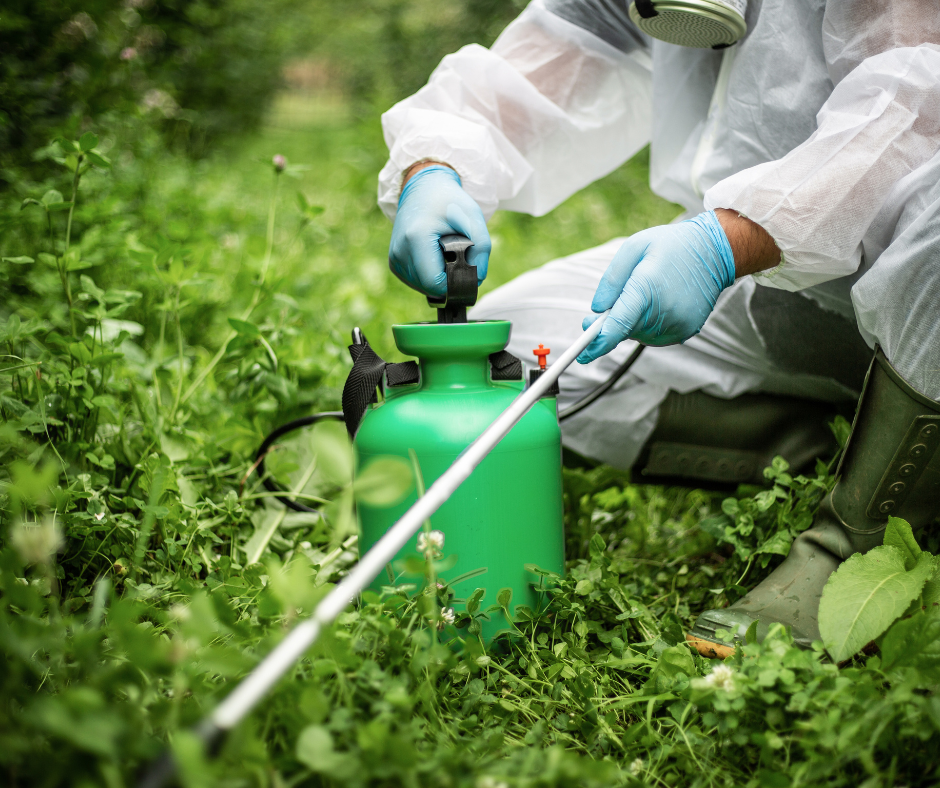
{"points": [[702, 24]]}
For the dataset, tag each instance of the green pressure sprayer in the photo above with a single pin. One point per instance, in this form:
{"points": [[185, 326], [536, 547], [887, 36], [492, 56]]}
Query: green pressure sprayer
{"points": [[464, 413], [509, 512]]}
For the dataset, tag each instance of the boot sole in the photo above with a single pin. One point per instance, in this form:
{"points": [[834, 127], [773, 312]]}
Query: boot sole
{"points": [[709, 648]]}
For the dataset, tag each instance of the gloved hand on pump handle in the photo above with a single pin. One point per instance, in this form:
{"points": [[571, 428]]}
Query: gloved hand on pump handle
{"points": [[661, 286], [432, 204]]}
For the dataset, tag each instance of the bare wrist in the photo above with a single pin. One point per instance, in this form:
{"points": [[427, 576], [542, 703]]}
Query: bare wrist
{"points": [[422, 165], [753, 247]]}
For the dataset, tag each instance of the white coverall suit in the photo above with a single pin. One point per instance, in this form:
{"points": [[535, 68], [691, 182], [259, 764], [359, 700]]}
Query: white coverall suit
{"points": [[822, 125]]}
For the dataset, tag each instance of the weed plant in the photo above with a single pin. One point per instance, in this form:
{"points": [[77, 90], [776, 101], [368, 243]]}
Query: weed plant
{"points": [[159, 318]]}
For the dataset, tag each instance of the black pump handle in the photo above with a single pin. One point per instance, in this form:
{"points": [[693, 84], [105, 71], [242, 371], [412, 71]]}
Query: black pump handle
{"points": [[461, 281]]}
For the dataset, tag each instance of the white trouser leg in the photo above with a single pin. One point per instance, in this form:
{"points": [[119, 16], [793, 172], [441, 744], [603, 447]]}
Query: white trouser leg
{"points": [[546, 306]]}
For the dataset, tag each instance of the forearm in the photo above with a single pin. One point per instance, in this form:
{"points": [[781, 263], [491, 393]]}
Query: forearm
{"points": [[753, 248]]}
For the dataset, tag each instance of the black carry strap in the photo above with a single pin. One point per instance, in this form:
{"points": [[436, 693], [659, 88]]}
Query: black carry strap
{"points": [[505, 366], [366, 376]]}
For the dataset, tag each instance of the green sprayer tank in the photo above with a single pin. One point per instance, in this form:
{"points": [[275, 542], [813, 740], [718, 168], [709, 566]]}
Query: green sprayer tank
{"points": [[509, 512]]}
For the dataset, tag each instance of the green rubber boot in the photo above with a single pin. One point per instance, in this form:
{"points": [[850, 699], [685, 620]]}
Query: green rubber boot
{"points": [[705, 441], [891, 466]]}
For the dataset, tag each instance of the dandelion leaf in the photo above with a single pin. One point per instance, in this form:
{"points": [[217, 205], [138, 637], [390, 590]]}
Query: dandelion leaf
{"points": [[867, 594]]}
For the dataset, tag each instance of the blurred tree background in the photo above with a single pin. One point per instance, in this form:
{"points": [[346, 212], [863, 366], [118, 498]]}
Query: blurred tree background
{"points": [[204, 68], [188, 96]]}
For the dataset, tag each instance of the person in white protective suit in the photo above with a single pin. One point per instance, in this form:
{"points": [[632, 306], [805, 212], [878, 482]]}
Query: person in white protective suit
{"points": [[805, 276]]}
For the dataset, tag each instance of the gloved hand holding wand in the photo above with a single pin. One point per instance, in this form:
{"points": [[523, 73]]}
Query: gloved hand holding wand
{"points": [[663, 282]]}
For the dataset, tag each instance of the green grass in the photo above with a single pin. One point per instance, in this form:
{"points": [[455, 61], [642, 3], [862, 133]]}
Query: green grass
{"points": [[130, 517]]}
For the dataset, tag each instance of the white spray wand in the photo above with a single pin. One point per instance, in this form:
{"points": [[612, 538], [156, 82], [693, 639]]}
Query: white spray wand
{"points": [[288, 652]]}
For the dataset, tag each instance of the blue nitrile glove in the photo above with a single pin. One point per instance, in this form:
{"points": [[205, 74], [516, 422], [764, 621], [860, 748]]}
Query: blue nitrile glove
{"points": [[662, 285], [433, 204]]}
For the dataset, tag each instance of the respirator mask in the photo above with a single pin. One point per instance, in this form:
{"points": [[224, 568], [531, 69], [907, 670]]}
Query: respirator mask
{"points": [[703, 24]]}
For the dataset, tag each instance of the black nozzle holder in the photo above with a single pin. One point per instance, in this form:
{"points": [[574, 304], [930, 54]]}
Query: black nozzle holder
{"points": [[535, 374], [461, 281]]}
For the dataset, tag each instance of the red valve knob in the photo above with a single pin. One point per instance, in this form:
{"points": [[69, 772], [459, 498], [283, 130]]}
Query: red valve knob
{"points": [[541, 352]]}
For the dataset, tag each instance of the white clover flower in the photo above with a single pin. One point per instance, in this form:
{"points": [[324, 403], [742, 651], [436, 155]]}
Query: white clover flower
{"points": [[37, 543], [447, 616], [636, 767], [721, 678], [431, 542]]}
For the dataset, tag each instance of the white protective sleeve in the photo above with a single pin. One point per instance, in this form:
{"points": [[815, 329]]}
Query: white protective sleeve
{"points": [[881, 123], [547, 110]]}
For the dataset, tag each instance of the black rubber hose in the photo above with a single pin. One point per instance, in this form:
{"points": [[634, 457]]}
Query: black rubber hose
{"points": [[601, 390], [296, 424]]}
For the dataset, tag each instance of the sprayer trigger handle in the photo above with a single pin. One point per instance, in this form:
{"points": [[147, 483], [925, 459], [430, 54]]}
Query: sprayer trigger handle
{"points": [[461, 281], [455, 248]]}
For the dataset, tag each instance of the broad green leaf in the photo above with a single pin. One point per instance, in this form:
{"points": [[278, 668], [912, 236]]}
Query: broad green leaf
{"points": [[865, 595], [765, 499], [673, 663], [96, 158], [384, 482], [315, 751], [105, 358], [189, 753], [584, 587], [52, 197], [341, 513], [80, 351], [446, 564], [777, 544], [334, 452], [899, 534], [244, 328], [88, 141], [89, 286], [930, 596], [21, 260], [473, 603], [67, 145], [841, 429], [141, 255], [309, 210], [913, 642], [504, 597], [411, 565]]}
